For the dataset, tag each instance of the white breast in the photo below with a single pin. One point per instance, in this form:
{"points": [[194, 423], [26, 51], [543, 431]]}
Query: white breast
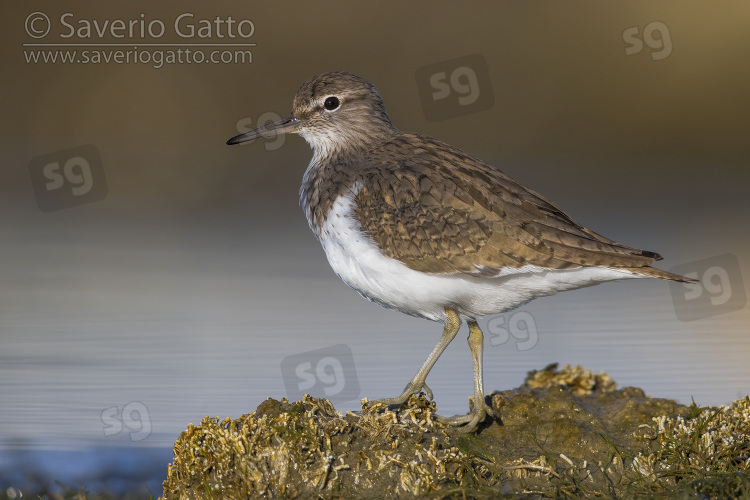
{"points": [[356, 259]]}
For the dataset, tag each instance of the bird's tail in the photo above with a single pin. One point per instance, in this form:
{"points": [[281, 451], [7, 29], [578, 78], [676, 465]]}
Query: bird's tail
{"points": [[653, 272]]}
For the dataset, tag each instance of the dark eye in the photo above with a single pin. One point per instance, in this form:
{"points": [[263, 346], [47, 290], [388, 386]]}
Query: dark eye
{"points": [[331, 103]]}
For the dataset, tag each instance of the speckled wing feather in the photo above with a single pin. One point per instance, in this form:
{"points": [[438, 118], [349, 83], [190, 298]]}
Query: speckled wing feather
{"points": [[440, 210]]}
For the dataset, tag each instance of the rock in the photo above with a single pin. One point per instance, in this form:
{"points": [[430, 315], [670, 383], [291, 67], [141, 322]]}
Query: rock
{"points": [[566, 432]]}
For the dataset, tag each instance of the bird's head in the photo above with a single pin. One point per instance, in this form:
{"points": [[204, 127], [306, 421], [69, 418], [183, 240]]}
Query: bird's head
{"points": [[334, 112]]}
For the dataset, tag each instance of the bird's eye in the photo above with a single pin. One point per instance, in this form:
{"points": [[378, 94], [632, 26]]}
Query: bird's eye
{"points": [[332, 103]]}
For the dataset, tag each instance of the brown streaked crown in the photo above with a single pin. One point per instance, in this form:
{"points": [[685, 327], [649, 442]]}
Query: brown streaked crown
{"points": [[359, 120]]}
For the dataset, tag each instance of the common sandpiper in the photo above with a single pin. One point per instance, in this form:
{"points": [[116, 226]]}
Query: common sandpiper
{"points": [[417, 225]]}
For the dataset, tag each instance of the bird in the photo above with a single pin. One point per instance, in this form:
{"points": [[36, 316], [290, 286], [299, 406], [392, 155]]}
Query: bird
{"points": [[420, 226]]}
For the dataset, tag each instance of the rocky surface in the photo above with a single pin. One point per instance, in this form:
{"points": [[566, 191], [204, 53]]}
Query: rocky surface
{"points": [[564, 433]]}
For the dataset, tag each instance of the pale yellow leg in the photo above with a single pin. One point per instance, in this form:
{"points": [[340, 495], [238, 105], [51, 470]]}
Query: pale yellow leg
{"points": [[452, 325], [480, 409]]}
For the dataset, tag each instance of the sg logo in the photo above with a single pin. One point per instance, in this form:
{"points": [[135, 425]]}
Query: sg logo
{"points": [[661, 46], [246, 125], [454, 88], [68, 178], [327, 372], [720, 290], [520, 326], [134, 417], [463, 81]]}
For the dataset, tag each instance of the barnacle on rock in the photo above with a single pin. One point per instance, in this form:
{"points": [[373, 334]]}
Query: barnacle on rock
{"points": [[713, 439], [577, 380], [290, 449]]}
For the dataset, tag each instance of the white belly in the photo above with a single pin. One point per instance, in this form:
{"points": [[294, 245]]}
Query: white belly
{"points": [[356, 259]]}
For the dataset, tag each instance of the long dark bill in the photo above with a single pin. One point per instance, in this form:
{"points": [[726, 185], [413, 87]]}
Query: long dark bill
{"points": [[270, 130]]}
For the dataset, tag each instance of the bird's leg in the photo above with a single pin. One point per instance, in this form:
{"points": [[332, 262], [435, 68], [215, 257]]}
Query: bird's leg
{"points": [[452, 325], [480, 409]]}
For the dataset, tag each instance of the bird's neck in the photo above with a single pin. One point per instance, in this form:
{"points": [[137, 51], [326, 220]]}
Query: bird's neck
{"points": [[327, 177], [336, 166], [352, 139]]}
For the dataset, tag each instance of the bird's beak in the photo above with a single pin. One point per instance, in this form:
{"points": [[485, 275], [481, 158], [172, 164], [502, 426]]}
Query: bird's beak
{"points": [[286, 125]]}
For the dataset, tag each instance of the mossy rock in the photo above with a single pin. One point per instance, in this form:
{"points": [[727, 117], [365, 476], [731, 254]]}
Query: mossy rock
{"points": [[564, 433]]}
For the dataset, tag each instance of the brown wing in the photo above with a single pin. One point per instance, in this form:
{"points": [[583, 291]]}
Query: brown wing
{"points": [[442, 211]]}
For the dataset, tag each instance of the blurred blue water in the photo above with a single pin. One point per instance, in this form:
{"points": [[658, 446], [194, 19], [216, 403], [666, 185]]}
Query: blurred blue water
{"points": [[115, 470]]}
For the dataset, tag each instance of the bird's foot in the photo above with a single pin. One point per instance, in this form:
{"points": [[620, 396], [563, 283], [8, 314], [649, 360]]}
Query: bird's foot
{"points": [[412, 388], [479, 411]]}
